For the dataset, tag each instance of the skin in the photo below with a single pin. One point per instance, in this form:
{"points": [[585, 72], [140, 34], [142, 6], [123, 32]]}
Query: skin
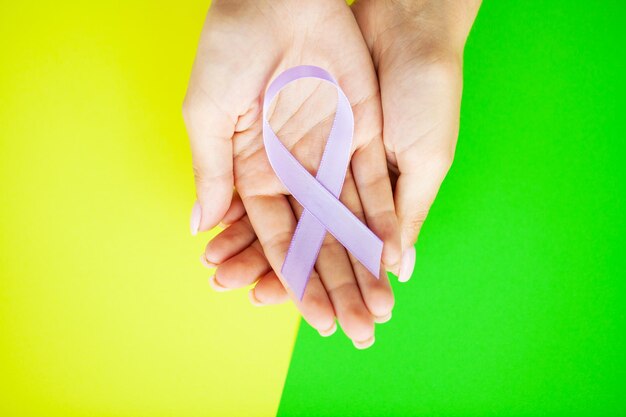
{"points": [[244, 44], [417, 49]]}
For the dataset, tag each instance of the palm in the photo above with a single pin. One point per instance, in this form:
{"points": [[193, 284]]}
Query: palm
{"points": [[318, 33], [421, 90], [421, 83]]}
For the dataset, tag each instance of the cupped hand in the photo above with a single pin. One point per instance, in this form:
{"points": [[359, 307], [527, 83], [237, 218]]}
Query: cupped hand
{"points": [[417, 50], [243, 46]]}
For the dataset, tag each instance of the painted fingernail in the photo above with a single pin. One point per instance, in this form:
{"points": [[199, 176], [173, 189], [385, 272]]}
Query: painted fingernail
{"points": [[196, 216], [216, 285], [407, 265], [255, 301], [326, 333], [206, 263], [364, 344], [383, 319]]}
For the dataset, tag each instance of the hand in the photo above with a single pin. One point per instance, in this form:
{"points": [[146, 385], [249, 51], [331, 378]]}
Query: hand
{"points": [[417, 49], [244, 45]]}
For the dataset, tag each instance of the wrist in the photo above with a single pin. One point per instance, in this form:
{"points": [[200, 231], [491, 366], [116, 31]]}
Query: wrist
{"points": [[426, 26], [262, 5], [292, 13]]}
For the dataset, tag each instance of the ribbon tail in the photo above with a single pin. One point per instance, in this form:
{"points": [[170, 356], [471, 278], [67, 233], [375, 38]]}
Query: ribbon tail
{"points": [[303, 250]]}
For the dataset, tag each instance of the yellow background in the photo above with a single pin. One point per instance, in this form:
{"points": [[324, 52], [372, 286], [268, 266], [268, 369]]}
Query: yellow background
{"points": [[105, 309]]}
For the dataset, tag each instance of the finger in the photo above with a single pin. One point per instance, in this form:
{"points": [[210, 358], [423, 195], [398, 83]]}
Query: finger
{"points": [[371, 177], [274, 222], [414, 194], [376, 291], [227, 246], [230, 247], [241, 270], [335, 271], [369, 164], [230, 242], [268, 291], [316, 307], [421, 104], [210, 130], [235, 212]]}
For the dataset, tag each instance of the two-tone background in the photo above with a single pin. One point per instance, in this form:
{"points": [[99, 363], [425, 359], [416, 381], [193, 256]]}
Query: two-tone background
{"points": [[517, 304]]}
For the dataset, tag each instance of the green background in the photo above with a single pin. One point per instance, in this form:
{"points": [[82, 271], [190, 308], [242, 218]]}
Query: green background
{"points": [[516, 305]]}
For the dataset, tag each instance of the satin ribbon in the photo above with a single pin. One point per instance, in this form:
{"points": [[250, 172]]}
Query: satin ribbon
{"points": [[319, 195]]}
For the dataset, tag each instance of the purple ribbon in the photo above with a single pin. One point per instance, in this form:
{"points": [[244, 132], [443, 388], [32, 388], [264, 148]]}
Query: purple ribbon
{"points": [[320, 195]]}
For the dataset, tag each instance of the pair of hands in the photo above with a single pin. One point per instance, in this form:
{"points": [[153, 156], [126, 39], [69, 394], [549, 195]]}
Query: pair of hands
{"points": [[412, 51]]}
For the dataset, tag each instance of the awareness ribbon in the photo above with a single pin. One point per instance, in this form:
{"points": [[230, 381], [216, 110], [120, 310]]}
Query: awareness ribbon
{"points": [[319, 195]]}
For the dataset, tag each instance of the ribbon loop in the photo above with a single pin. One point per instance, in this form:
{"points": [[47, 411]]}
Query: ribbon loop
{"points": [[319, 195]]}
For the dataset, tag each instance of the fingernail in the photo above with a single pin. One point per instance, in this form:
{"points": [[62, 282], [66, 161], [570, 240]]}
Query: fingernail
{"points": [[407, 265], [206, 263], [364, 344], [196, 216], [326, 333], [216, 285], [383, 319], [255, 301]]}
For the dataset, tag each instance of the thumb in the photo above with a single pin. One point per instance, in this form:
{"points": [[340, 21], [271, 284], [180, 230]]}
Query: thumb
{"points": [[414, 194], [210, 132]]}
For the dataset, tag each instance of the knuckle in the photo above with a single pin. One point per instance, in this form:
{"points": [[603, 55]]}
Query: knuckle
{"points": [[386, 224], [330, 244], [197, 174], [381, 299], [278, 242], [445, 69], [188, 108], [271, 290], [357, 323], [415, 223], [195, 106], [315, 302], [442, 160], [205, 178], [438, 64]]}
